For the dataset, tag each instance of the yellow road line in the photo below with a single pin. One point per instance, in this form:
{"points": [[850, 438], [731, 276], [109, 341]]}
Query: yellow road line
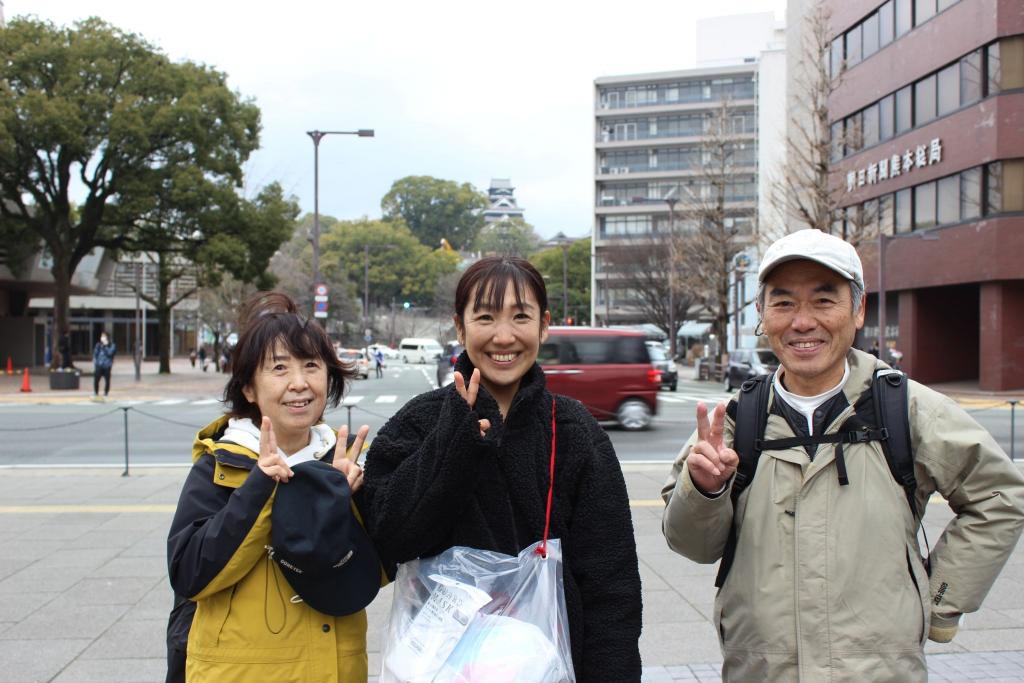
{"points": [[58, 509]]}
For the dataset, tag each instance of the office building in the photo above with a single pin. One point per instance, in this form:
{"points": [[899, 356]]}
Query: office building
{"points": [[927, 122], [651, 158]]}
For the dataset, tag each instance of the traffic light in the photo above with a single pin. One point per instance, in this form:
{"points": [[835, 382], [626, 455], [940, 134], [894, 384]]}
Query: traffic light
{"points": [[406, 305], [568, 321]]}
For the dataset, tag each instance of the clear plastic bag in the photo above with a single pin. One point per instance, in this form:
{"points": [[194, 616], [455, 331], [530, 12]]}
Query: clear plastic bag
{"points": [[477, 616]]}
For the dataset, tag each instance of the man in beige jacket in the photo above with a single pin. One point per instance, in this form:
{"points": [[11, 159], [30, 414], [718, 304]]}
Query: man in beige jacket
{"points": [[827, 580]]}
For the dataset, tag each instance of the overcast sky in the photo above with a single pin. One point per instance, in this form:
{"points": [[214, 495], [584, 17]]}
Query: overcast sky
{"points": [[466, 91]]}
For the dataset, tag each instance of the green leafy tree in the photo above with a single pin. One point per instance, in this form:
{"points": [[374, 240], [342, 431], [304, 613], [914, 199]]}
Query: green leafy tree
{"points": [[511, 237], [197, 227], [434, 209], [400, 267], [549, 263], [89, 117]]}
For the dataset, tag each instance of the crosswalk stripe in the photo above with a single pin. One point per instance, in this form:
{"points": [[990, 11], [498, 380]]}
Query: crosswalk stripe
{"points": [[386, 399], [206, 402], [170, 402], [351, 400]]}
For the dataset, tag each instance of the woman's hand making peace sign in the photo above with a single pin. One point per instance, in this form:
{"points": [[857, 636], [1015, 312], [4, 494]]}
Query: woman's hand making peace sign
{"points": [[469, 393]]}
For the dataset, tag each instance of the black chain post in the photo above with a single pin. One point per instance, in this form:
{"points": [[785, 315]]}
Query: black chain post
{"points": [[1013, 422], [125, 473]]}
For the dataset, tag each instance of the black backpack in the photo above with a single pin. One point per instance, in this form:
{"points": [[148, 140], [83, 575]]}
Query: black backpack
{"points": [[889, 394]]}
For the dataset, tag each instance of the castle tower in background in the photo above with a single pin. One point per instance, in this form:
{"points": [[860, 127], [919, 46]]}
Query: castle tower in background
{"points": [[503, 201]]}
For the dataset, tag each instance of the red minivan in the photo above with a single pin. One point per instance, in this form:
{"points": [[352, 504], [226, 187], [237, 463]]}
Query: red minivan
{"points": [[608, 371]]}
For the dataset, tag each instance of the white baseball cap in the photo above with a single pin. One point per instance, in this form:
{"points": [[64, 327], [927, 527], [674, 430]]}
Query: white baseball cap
{"points": [[814, 245]]}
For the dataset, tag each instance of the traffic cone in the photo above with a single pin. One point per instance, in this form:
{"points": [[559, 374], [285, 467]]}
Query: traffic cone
{"points": [[25, 384], [10, 366]]}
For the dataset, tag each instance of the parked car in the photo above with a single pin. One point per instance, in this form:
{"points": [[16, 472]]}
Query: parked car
{"points": [[664, 364], [420, 350], [608, 371], [446, 363], [746, 364], [357, 359]]}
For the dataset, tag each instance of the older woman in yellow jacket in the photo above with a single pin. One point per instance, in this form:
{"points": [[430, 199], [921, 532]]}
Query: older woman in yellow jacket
{"points": [[250, 624]]}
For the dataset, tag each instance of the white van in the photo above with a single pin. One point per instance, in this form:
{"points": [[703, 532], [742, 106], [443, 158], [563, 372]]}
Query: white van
{"points": [[420, 350]]}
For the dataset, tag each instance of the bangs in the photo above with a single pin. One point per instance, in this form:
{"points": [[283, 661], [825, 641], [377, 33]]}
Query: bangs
{"points": [[490, 293], [297, 338]]}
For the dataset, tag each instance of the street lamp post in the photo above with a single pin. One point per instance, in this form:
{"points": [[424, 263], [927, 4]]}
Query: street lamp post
{"points": [[138, 321], [881, 294], [317, 135], [671, 201]]}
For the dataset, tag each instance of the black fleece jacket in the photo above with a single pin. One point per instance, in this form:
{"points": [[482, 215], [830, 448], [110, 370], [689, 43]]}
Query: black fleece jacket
{"points": [[431, 482]]}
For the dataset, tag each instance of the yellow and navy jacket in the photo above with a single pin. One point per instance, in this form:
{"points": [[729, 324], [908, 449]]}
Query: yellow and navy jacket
{"points": [[248, 624]]}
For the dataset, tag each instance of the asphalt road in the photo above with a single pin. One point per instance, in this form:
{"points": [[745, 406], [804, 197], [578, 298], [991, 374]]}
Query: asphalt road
{"points": [[161, 431]]}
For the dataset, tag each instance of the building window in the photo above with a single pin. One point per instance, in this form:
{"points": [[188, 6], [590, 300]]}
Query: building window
{"points": [[885, 214], [1006, 64], [904, 211], [949, 89], [904, 109], [923, 11], [886, 24], [870, 35], [993, 188], [970, 194], [970, 78], [924, 206], [837, 141], [924, 100], [943, 4], [870, 126], [853, 46], [854, 133], [904, 17], [948, 199], [836, 60], [886, 117]]}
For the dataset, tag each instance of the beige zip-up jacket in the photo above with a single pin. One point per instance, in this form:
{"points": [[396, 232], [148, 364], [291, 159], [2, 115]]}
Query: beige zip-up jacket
{"points": [[828, 583]]}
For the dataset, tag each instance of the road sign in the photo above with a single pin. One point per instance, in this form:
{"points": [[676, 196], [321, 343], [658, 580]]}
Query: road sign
{"points": [[320, 298], [368, 338], [320, 314], [320, 290]]}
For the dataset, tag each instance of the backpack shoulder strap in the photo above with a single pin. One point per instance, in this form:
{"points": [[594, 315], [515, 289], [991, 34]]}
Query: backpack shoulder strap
{"points": [[889, 392], [751, 420]]}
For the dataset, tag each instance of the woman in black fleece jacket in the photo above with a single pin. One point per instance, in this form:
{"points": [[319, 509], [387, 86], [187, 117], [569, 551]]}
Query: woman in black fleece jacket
{"points": [[468, 465]]}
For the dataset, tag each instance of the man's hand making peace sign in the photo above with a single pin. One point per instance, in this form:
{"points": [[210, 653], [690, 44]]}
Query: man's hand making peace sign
{"points": [[710, 463]]}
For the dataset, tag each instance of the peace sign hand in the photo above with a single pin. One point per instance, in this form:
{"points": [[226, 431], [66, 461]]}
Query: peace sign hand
{"points": [[271, 462], [348, 462], [710, 463], [469, 393]]}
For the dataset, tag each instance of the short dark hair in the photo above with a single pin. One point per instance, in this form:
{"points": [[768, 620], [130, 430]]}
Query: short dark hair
{"points": [[490, 277], [269, 318]]}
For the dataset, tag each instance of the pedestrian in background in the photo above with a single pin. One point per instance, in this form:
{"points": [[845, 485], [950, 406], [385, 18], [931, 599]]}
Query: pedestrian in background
{"points": [[64, 349], [192, 356], [378, 362], [823, 576], [102, 362], [469, 465], [202, 358], [234, 605]]}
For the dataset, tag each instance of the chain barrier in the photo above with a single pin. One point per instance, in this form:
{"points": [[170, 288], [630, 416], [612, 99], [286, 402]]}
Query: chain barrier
{"points": [[594, 410], [62, 424]]}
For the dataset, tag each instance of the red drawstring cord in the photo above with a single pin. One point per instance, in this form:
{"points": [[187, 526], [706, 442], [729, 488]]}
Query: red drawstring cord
{"points": [[542, 549]]}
